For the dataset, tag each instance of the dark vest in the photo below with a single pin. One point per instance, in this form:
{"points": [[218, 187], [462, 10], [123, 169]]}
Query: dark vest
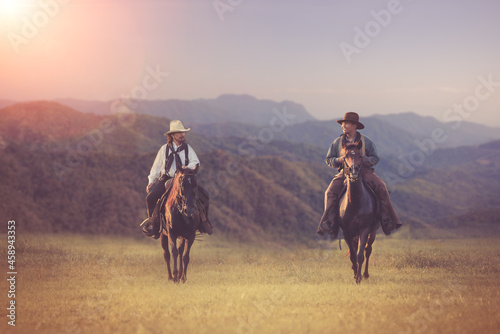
{"points": [[174, 155], [341, 148]]}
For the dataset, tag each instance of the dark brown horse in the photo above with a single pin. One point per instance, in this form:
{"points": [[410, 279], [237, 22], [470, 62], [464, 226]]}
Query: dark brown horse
{"points": [[182, 221], [358, 212]]}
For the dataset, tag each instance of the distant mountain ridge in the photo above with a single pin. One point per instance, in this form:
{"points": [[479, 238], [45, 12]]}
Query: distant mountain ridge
{"points": [[225, 108], [244, 115], [457, 133], [394, 135]]}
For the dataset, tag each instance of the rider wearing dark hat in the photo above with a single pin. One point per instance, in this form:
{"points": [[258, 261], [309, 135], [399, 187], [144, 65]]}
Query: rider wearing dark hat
{"points": [[335, 159]]}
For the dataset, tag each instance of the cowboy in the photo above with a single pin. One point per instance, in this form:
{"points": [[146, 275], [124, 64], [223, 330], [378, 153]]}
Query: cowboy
{"points": [[174, 155], [335, 159]]}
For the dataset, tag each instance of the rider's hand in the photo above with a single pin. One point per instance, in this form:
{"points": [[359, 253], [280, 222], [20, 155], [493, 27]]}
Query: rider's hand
{"points": [[340, 160]]}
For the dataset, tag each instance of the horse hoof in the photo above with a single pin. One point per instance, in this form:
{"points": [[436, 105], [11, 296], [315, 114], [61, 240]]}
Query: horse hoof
{"points": [[366, 276]]}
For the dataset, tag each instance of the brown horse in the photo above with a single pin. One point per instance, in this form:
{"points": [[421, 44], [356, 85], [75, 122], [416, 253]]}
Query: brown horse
{"points": [[358, 212], [182, 221]]}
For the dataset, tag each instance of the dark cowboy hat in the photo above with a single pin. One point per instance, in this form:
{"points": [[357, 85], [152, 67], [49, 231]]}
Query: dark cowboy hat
{"points": [[352, 117]]}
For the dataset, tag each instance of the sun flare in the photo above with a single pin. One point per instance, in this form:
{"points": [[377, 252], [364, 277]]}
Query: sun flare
{"points": [[9, 6], [12, 7]]}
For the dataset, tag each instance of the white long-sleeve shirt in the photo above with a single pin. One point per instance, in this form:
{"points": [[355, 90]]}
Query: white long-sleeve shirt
{"points": [[158, 167]]}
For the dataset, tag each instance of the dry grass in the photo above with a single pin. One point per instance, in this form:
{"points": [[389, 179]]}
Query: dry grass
{"points": [[76, 284]]}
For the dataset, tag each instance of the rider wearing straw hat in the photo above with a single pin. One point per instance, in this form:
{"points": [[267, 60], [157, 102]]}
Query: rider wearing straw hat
{"points": [[174, 155], [335, 159]]}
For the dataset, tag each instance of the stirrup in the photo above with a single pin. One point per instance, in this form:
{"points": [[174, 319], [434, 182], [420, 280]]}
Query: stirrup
{"points": [[144, 222], [148, 229]]}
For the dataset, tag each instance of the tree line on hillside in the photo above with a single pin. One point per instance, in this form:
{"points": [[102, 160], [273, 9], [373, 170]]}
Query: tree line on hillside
{"points": [[272, 190]]}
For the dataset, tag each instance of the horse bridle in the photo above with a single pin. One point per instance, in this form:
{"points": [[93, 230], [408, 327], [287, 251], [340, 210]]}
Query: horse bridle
{"points": [[349, 171]]}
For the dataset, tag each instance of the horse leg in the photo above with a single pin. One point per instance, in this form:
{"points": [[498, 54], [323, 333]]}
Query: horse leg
{"points": [[166, 254], [175, 254], [363, 238], [185, 259], [353, 249], [181, 253], [368, 252]]}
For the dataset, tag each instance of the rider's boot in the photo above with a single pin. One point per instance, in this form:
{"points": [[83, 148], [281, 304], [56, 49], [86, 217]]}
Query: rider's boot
{"points": [[206, 225], [330, 228], [388, 226], [329, 222], [151, 226], [389, 222]]}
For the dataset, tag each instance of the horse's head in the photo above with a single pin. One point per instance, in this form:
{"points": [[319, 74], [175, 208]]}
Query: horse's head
{"points": [[353, 161], [187, 190]]}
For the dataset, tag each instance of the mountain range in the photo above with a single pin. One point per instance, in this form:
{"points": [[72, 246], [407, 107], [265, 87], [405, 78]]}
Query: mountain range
{"points": [[225, 108], [65, 170]]}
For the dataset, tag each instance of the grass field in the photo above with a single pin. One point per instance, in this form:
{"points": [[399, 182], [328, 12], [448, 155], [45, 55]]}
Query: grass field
{"points": [[82, 284]]}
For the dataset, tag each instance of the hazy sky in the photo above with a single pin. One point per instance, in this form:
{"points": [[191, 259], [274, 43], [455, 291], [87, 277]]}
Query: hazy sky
{"points": [[331, 56]]}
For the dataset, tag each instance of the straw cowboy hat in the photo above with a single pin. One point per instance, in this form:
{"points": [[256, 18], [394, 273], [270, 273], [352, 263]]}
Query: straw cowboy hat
{"points": [[176, 126], [352, 117]]}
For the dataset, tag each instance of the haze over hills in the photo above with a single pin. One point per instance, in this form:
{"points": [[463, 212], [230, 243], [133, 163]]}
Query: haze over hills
{"points": [[457, 132], [225, 108], [64, 170], [392, 140], [5, 103], [243, 115]]}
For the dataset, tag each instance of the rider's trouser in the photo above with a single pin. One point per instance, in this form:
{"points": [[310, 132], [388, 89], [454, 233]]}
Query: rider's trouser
{"points": [[156, 191], [380, 189], [331, 199]]}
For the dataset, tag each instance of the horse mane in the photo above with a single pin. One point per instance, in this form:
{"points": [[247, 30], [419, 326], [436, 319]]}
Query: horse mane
{"points": [[353, 146], [174, 191]]}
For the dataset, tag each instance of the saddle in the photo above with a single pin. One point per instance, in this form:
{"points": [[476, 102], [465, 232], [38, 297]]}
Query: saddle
{"points": [[153, 226]]}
